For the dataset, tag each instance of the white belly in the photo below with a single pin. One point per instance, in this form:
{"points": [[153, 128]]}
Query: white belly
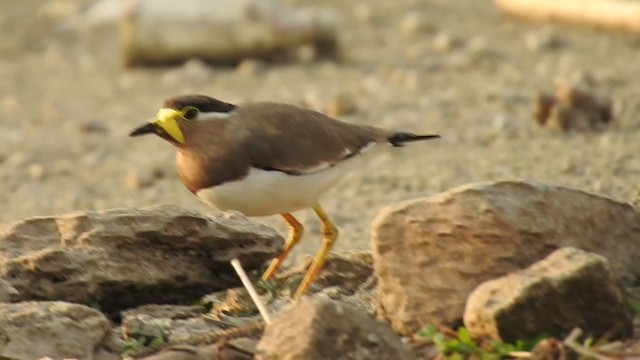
{"points": [[264, 193]]}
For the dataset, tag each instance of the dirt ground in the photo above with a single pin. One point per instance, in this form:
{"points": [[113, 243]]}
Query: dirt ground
{"points": [[66, 107]]}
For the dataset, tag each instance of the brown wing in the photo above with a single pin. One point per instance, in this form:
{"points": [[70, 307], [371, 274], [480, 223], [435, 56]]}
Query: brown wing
{"points": [[297, 140]]}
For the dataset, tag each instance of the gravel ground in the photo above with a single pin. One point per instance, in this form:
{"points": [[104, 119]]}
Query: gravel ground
{"points": [[458, 68]]}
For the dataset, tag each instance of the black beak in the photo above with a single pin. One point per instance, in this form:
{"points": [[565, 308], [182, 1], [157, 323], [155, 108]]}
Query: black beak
{"points": [[148, 128]]}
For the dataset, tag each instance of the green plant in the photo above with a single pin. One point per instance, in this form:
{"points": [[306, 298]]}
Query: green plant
{"points": [[271, 287], [134, 345], [205, 302], [635, 305], [463, 346]]}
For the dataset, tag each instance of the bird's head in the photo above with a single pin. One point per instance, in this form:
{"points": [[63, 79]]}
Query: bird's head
{"points": [[179, 112]]}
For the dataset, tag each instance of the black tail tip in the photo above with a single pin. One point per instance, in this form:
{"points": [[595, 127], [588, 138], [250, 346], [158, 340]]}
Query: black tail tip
{"points": [[399, 139]]}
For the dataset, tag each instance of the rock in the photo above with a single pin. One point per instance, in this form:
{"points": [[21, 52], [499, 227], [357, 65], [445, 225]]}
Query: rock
{"points": [[274, 29], [187, 352], [121, 258], [165, 311], [347, 271], [7, 292], [166, 324], [549, 298], [59, 330], [573, 107], [315, 328], [430, 253], [233, 302]]}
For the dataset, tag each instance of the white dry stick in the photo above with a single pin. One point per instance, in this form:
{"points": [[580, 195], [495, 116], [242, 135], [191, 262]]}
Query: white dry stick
{"points": [[520, 354], [252, 291], [572, 343], [608, 14]]}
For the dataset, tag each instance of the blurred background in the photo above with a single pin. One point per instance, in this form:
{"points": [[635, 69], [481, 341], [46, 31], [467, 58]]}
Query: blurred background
{"points": [[75, 78]]}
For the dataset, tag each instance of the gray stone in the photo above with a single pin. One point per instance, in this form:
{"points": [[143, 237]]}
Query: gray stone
{"points": [[7, 292], [122, 258], [430, 253], [169, 324], [216, 351], [315, 328], [570, 288], [31, 330]]}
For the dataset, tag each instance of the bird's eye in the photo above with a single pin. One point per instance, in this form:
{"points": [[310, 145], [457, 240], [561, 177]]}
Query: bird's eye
{"points": [[190, 113]]}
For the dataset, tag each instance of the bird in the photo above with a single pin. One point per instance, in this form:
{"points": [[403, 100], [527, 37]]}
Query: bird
{"points": [[267, 158]]}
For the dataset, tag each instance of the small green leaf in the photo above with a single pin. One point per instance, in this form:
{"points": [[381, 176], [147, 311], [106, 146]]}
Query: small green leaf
{"points": [[156, 342], [464, 337]]}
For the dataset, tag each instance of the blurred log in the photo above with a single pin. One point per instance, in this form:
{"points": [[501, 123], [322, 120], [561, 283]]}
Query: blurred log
{"points": [[169, 31], [609, 14]]}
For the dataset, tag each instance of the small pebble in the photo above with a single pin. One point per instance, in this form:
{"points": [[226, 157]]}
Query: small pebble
{"points": [[35, 171], [92, 127], [342, 104], [338, 105], [87, 62], [363, 13], [413, 24], [16, 159], [53, 57], [414, 52], [445, 42], [196, 69], [127, 80], [59, 9], [251, 67], [135, 180], [311, 100], [192, 71], [143, 178], [371, 84], [9, 104], [539, 41], [478, 46], [306, 53]]}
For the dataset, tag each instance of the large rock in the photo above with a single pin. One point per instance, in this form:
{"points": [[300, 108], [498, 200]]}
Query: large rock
{"points": [[346, 271], [570, 288], [430, 253], [121, 258], [317, 328], [59, 330]]}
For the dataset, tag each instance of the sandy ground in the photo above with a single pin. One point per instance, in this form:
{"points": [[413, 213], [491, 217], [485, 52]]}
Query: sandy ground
{"points": [[66, 107]]}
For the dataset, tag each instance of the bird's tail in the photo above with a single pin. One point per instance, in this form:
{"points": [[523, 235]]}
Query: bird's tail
{"points": [[401, 138]]}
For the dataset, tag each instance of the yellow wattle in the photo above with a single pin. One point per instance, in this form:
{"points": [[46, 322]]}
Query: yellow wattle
{"points": [[167, 120]]}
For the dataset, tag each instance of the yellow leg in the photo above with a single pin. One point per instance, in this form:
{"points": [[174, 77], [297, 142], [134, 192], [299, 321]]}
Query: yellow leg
{"points": [[329, 236], [295, 233]]}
